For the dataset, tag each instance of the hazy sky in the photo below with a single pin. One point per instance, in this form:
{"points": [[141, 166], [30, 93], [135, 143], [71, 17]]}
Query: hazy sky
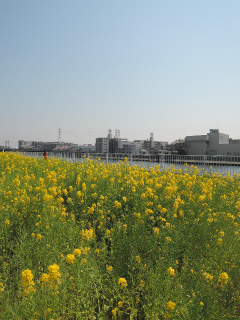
{"points": [[169, 67]]}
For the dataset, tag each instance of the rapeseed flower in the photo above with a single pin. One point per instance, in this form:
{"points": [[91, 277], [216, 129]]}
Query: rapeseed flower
{"points": [[27, 278], [54, 272], [120, 304], [39, 236], [138, 259], [109, 269], [122, 283], [77, 252], [208, 277], [114, 311], [1, 287], [171, 305], [171, 272], [70, 258], [27, 281], [223, 278], [87, 234]]}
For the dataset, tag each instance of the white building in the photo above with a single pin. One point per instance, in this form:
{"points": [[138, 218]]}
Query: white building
{"points": [[213, 143], [102, 145]]}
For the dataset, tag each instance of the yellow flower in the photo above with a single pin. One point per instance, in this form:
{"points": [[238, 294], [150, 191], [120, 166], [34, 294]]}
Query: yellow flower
{"points": [[27, 281], [171, 272], [137, 215], [28, 290], [201, 303], [90, 210], [223, 278], [120, 304], [124, 199], [83, 261], [54, 271], [122, 282], [27, 278], [39, 236], [1, 287], [208, 277], [77, 252], [108, 233], [70, 258], [220, 242], [87, 234], [85, 250], [114, 311], [117, 204], [109, 269], [171, 305], [138, 259], [45, 279]]}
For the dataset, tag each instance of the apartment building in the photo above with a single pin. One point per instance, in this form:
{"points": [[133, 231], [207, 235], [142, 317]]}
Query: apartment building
{"points": [[102, 145]]}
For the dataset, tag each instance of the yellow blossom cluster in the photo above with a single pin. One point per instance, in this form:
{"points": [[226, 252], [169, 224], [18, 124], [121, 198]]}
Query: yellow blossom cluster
{"points": [[27, 282], [122, 283], [52, 278]]}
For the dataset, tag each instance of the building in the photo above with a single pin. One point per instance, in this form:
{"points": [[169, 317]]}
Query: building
{"points": [[213, 143], [130, 148], [22, 144], [121, 145], [115, 145], [48, 146], [153, 146], [102, 145], [87, 148]]}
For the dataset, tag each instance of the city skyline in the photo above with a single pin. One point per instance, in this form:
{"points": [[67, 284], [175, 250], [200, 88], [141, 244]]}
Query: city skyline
{"points": [[171, 68], [114, 134]]}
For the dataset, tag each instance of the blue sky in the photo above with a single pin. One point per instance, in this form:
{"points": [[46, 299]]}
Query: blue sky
{"points": [[167, 67]]}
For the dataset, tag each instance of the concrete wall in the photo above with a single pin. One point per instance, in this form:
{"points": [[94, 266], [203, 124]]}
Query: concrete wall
{"points": [[197, 147], [228, 149]]}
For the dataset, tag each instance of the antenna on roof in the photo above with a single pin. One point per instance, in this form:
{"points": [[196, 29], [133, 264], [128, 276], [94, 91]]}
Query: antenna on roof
{"points": [[117, 133]]}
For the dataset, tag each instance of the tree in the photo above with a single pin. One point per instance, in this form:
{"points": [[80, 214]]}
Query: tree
{"points": [[179, 146]]}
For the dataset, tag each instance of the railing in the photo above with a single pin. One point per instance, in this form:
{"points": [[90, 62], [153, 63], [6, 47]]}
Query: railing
{"points": [[218, 164]]}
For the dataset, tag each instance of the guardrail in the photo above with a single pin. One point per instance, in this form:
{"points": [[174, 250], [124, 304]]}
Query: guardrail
{"points": [[218, 164]]}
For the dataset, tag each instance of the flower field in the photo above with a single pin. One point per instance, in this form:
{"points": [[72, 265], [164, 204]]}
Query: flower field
{"points": [[96, 241]]}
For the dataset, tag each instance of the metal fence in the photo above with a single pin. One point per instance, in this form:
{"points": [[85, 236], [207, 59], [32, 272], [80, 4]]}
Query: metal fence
{"points": [[211, 164]]}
